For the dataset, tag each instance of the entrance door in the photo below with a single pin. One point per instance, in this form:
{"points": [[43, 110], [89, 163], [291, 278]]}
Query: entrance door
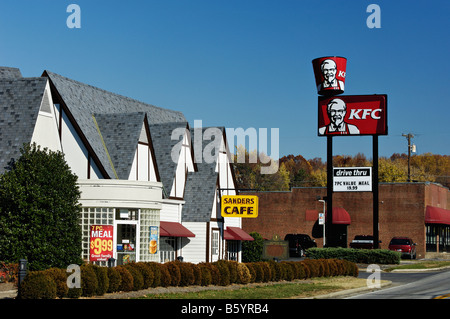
{"points": [[126, 242]]}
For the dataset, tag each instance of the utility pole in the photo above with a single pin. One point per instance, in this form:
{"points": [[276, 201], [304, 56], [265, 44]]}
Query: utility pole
{"points": [[409, 136]]}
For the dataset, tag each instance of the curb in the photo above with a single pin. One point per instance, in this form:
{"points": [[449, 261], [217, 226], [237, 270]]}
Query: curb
{"points": [[348, 292], [8, 294]]}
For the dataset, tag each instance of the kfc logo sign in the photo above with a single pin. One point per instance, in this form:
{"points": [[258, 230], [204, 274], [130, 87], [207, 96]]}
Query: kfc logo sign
{"points": [[353, 115], [330, 75]]}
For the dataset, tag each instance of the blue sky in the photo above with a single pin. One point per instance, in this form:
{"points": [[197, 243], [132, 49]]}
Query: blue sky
{"points": [[247, 63]]}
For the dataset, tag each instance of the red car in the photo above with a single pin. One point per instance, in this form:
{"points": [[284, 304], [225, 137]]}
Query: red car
{"points": [[404, 245]]}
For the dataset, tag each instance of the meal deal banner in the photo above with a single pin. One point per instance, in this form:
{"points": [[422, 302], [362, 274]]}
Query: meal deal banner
{"points": [[101, 243], [353, 115], [239, 206]]}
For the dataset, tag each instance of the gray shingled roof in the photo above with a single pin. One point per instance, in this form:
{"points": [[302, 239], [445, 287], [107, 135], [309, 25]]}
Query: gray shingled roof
{"points": [[85, 100], [10, 73], [121, 132], [163, 146], [200, 189], [20, 100]]}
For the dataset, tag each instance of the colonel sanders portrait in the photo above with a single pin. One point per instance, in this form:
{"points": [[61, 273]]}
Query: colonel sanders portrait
{"points": [[328, 69], [336, 110]]}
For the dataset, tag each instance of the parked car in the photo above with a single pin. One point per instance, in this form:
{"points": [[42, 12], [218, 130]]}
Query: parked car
{"points": [[404, 245], [298, 243], [362, 242]]}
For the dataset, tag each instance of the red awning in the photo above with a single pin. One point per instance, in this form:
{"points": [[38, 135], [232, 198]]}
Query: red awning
{"points": [[437, 215], [341, 216], [236, 233], [173, 229]]}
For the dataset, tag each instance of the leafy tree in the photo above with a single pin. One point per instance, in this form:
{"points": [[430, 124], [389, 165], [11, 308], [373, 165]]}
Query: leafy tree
{"points": [[248, 172], [252, 250], [39, 211]]}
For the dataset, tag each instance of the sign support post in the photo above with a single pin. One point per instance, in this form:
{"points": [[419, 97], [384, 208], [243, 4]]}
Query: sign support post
{"points": [[375, 204], [329, 215]]}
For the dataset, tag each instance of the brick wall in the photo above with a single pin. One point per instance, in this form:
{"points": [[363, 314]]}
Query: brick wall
{"points": [[401, 212]]}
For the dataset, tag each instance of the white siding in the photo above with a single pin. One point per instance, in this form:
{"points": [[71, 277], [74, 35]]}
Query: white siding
{"points": [[195, 251], [74, 150], [143, 168], [45, 131], [185, 164], [171, 210]]}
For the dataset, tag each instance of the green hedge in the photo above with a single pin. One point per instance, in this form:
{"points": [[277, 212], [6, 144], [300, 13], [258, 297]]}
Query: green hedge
{"points": [[96, 281], [362, 256]]}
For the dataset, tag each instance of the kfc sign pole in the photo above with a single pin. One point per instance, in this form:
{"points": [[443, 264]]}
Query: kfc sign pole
{"points": [[352, 115]]}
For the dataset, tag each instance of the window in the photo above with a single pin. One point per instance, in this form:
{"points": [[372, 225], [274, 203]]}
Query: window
{"points": [[232, 249], [168, 248], [215, 245]]}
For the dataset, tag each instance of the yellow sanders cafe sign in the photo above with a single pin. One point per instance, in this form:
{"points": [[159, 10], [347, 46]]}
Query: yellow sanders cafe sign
{"points": [[239, 206]]}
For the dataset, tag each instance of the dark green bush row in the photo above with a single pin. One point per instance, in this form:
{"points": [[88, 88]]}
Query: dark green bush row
{"points": [[96, 281], [363, 256]]}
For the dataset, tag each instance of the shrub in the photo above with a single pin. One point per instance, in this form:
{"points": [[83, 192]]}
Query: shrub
{"points": [[224, 272], [197, 275], [258, 271], [186, 273], [174, 271], [114, 279], [147, 274], [126, 279], [138, 278], [243, 274], [155, 269], [252, 250], [288, 272], [89, 282], [59, 277], [214, 271], [232, 267], [252, 271], [9, 272], [364, 256], [267, 273], [165, 278], [102, 279], [206, 274], [37, 285]]}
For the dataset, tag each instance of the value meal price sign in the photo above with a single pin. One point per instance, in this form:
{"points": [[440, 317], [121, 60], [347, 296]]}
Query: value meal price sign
{"points": [[352, 179], [101, 243]]}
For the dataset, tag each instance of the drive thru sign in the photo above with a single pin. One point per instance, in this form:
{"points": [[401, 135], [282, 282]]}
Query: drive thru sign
{"points": [[352, 179], [239, 206]]}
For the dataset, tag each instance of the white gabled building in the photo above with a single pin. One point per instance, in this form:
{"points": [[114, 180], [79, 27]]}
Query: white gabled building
{"points": [[137, 166]]}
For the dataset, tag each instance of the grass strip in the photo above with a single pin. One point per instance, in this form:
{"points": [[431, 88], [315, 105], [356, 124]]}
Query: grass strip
{"points": [[429, 264], [300, 289]]}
